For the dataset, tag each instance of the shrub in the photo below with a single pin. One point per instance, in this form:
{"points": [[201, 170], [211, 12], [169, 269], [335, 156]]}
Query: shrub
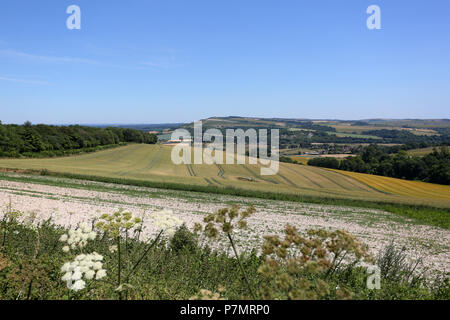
{"points": [[183, 240], [394, 265]]}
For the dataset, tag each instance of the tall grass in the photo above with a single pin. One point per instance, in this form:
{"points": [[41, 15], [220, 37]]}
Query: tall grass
{"points": [[31, 257]]}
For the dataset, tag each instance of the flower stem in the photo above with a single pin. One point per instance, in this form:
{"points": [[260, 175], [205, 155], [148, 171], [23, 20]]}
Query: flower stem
{"points": [[142, 257], [241, 267], [119, 267]]}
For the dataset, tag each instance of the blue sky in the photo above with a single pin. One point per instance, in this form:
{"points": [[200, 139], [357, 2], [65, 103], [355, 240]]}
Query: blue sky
{"points": [[155, 61]]}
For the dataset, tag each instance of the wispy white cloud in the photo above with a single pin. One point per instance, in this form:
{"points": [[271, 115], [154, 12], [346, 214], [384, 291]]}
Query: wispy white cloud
{"points": [[162, 58], [24, 55], [162, 63], [156, 64], [22, 80]]}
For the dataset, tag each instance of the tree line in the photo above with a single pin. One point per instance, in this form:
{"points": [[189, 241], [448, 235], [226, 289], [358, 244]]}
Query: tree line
{"points": [[47, 140], [433, 167]]}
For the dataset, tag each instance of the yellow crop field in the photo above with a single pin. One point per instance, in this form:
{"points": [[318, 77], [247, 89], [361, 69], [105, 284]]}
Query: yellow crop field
{"points": [[413, 189], [153, 163]]}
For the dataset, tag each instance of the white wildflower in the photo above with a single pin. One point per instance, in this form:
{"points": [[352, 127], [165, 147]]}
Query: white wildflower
{"points": [[100, 274], [97, 266], [84, 265], [77, 275], [80, 257], [65, 267], [96, 256], [67, 277], [89, 275], [78, 238], [166, 221], [79, 285], [85, 228], [113, 248]]}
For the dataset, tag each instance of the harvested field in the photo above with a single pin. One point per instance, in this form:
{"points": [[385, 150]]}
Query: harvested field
{"points": [[402, 187], [153, 163]]}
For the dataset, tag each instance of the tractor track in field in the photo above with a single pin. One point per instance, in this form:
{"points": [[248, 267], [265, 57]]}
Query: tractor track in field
{"points": [[217, 182], [287, 180], [221, 172], [306, 177], [155, 159], [256, 176], [333, 181], [191, 170], [362, 182]]}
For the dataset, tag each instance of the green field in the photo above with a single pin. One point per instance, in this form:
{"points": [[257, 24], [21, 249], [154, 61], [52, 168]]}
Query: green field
{"points": [[420, 152], [153, 163]]}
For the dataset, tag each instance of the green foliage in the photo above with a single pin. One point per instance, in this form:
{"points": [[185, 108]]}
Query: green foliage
{"points": [[298, 267], [288, 160], [32, 256], [183, 241], [324, 134], [46, 141], [395, 267], [434, 167], [225, 220], [328, 162]]}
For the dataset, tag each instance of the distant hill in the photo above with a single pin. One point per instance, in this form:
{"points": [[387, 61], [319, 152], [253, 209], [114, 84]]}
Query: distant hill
{"points": [[301, 133]]}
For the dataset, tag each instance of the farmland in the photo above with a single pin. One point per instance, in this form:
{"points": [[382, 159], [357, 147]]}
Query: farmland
{"points": [[69, 202], [42, 198], [421, 151], [401, 187], [153, 163], [42, 209]]}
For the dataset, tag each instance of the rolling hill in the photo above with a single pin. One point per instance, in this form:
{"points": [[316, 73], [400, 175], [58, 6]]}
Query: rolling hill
{"points": [[153, 163]]}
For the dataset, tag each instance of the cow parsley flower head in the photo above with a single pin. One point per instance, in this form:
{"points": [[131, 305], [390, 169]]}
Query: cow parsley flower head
{"points": [[90, 274], [118, 223], [166, 221], [87, 266], [100, 274], [77, 238], [78, 285]]}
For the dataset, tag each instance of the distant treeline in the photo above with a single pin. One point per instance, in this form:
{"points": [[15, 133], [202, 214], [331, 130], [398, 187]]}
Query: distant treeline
{"points": [[433, 167], [324, 134], [403, 136], [44, 140]]}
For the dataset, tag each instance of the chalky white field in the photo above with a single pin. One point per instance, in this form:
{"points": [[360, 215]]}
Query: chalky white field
{"points": [[70, 202]]}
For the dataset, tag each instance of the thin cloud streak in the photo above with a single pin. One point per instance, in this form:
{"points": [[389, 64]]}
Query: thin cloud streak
{"points": [[54, 59], [24, 55], [26, 81]]}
